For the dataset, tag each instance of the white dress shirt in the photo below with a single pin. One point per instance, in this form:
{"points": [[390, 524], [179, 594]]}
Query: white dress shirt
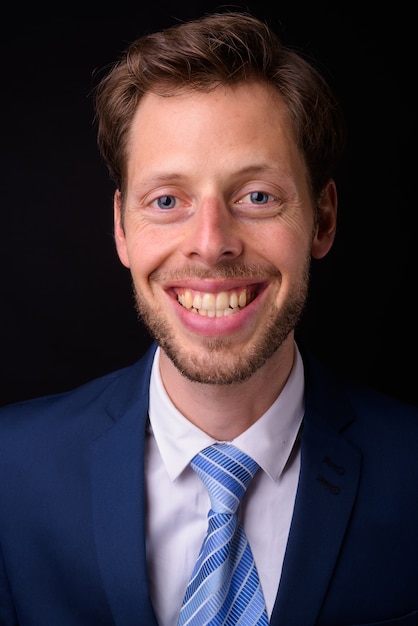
{"points": [[178, 503]]}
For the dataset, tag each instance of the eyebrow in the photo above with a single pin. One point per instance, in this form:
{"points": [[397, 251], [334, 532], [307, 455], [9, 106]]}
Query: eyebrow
{"points": [[157, 179], [173, 177]]}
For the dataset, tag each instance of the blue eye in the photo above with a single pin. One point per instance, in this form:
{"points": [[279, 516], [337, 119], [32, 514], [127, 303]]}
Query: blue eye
{"points": [[259, 197], [166, 202]]}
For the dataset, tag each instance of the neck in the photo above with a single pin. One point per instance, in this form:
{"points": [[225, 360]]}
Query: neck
{"points": [[226, 411]]}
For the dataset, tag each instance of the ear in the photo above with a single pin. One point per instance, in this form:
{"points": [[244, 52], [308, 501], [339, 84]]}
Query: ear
{"points": [[326, 221], [120, 238]]}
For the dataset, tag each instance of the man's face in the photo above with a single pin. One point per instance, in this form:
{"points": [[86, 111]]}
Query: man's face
{"points": [[217, 228]]}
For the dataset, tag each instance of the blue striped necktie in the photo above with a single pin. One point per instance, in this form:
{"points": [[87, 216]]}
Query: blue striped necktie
{"points": [[224, 589]]}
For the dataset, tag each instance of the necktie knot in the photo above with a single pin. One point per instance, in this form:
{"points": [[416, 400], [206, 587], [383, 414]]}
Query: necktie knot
{"points": [[226, 473]]}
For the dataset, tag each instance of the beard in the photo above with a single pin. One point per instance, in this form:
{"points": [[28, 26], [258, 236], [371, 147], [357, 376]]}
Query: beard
{"points": [[219, 362]]}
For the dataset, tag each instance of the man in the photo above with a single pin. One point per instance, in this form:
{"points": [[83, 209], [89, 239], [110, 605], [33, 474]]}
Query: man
{"points": [[222, 144]]}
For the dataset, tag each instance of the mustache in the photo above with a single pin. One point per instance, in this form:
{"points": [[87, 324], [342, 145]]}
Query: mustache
{"points": [[221, 271]]}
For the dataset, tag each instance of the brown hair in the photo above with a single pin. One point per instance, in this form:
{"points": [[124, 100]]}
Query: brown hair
{"points": [[221, 48]]}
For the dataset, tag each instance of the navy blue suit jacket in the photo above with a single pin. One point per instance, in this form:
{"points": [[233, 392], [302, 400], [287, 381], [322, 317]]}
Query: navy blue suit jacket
{"points": [[72, 508]]}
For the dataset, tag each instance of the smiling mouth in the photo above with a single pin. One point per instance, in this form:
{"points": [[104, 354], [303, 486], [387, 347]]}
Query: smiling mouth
{"points": [[215, 304]]}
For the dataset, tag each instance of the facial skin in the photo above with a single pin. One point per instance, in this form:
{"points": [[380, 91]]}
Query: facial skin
{"points": [[217, 215]]}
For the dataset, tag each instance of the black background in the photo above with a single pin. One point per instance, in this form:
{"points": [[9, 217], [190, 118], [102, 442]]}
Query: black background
{"points": [[66, 312]]}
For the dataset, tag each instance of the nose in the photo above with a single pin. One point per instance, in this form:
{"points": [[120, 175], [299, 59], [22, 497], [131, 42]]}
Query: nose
{"points": [[214, 233]]}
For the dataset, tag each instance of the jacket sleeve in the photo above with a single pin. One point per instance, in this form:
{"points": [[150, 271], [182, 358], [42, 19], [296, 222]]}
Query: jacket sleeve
{"points": [[8, 615]]}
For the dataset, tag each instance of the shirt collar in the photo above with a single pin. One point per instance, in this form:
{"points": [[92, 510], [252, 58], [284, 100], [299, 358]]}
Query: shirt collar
{"points": [[269, 441]]}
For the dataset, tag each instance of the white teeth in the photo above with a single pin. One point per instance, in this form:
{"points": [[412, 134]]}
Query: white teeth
{"points": [[234, 300], [188, 300], [208, 301], [197, 301], [214, 305], [222, 300]]}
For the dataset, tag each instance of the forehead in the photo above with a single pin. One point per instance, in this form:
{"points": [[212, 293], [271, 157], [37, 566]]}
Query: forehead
{"points": [[247, 122], [252, 101]]}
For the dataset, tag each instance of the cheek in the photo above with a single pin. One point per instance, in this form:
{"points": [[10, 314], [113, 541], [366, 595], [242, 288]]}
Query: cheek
{"points": [[147, 250], [286, 248]]}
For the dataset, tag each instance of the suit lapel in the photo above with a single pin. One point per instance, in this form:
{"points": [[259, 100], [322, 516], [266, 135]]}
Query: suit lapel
{"points": [[327, 487], [118, 499], [329, 477]]}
